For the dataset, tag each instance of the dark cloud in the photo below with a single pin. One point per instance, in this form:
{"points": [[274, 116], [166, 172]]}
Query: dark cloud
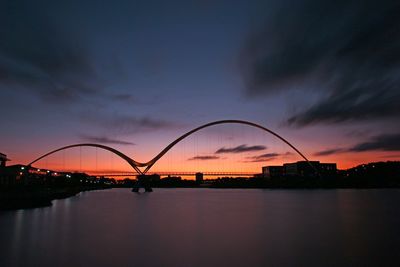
{"points": [[128, 124], [388, 142], [288, 154], [263, 157], [385, 142], [204, 158], [38, 55], [358, 133], [240, 149], [328, 152], [356, 104], [123, 98], [347, 50], [104, 140], [132, 124], [391, 156]]}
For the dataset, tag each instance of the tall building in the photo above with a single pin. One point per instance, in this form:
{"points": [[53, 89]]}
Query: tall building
{"points": [[199, 177]]}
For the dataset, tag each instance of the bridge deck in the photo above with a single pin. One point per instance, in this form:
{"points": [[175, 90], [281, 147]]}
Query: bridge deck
{"points": [[230, 174]]}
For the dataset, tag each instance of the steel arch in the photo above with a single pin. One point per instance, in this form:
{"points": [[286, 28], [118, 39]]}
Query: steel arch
{"points": [[150, 163], [135, 164]]}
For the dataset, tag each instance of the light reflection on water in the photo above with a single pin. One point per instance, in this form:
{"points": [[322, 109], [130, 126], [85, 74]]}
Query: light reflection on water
{"points": [[207, 227]]}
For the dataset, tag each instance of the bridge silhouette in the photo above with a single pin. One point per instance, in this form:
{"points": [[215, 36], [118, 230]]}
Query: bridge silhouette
{"points": [[147, 165], [174, 173]]}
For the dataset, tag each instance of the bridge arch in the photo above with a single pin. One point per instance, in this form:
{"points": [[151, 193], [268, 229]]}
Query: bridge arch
{"points": [[150, 163], [134, 164]]}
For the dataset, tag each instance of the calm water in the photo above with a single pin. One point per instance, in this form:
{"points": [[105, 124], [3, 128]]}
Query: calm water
{"points": [[207, 227]]}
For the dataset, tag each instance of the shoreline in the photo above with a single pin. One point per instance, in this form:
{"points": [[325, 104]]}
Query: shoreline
{"points": [[16, 199]]}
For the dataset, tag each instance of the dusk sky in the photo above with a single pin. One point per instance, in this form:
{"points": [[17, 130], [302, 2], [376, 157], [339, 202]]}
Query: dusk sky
{"points": [[135, 75]]}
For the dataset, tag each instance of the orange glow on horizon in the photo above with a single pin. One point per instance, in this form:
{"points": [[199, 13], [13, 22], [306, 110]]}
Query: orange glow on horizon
{"points": [[182, 158], [233, 164]]}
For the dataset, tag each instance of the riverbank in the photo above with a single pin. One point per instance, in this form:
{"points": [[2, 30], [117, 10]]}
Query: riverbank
{"points": [[25, 198]]}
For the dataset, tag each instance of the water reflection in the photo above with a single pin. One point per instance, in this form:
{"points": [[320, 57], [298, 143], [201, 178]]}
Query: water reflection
{"points": [[206, 227]]}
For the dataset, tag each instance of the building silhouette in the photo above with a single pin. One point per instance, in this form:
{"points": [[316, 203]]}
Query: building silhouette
{"points": [[3, 160], [199, 177], [300, 169], [272, 171]]}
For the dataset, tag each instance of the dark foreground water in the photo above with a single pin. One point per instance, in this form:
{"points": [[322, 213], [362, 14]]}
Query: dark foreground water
{"points": [[207, 227]]}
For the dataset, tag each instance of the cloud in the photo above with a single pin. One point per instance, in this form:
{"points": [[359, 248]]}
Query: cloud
{"points": [[240, 149], [263, 157], [384, 142], [387, 142], [328, 152], [347, 51], [128, 124], [204, 158], [38, 55], [123, 98], [104, 140], [288, 154], [391, 156], [135, 124], [378, 101]]}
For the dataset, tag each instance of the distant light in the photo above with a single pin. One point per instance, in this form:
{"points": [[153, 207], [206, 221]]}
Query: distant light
{"points": [[38, 170], [55, 173], [22, 168]]}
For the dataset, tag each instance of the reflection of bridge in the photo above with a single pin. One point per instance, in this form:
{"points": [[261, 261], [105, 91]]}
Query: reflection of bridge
{"points": [[147, 165], [220, 174]]}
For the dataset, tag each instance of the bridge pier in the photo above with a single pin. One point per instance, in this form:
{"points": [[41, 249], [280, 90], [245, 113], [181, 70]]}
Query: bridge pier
{"points": [[136, 188], [145, 181]]}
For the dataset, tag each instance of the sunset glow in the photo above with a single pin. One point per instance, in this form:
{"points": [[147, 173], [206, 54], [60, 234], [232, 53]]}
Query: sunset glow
{"points": [[137, 88]]}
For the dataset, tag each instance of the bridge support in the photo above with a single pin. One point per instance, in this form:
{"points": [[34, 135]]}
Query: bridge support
{"points": [[146, 189], [143, 181], [137, 187]]}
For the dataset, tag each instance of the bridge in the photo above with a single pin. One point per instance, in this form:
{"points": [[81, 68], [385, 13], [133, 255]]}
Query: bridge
{"points": [[165, 173], [148, 165]]}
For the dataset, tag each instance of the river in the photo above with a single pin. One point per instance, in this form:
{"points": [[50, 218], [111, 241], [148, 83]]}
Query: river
{"points": [[207, 227]]}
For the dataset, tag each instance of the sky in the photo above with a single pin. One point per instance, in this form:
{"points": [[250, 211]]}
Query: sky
{"points": [[135, 75]]}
